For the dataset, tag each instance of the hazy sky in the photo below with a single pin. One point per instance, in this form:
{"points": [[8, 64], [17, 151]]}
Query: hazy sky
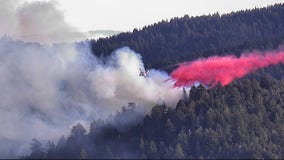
{"points": [[126, 15]]}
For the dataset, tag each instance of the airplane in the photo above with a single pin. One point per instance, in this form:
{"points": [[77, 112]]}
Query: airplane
{"points": [[142, 73]]}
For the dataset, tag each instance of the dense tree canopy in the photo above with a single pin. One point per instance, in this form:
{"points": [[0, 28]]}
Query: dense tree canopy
{"points": [[188, 38], [242, 120]]}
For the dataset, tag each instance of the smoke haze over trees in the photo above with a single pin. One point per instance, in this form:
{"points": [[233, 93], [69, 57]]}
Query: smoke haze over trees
{"points": [[93, 88], [244, 119], [241, 120], [45, 90]]}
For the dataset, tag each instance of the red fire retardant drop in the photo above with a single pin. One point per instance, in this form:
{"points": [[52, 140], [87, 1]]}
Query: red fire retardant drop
{"points": [[223, 70]]}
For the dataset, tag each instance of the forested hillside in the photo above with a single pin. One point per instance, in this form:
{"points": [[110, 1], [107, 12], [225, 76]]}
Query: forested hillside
{"points": [[242, 120], [188, 38]]}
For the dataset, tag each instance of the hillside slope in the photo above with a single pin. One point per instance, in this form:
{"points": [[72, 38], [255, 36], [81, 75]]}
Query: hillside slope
{"points": [[242, 120], [187, 38]]}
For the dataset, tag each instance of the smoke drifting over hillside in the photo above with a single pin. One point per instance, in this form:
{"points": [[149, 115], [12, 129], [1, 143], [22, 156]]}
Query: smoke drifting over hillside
{"points": [[36, 22], [46, 89], [223, 70]]}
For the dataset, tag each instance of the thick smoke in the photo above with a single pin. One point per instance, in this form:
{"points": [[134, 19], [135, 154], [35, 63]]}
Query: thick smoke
{"points": [[36, 22], [223, 70], [45, 90]]}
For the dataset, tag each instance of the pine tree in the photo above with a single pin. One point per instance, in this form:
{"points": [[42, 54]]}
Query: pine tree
{"points": [[141, 145], [37, 149], [83, 154], [109, 154], [179, 152], [152, 149]]}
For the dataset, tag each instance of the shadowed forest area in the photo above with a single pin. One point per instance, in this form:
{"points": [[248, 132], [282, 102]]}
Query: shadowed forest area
{"points": [[244, 119]]}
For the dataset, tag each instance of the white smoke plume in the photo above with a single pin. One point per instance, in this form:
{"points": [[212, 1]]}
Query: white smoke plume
{"points": [[46, 89], [38, 21]]}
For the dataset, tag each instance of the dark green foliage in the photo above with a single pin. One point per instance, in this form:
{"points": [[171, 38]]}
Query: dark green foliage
{"points": [[242, 120], [188, 38], [229, 124]]}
